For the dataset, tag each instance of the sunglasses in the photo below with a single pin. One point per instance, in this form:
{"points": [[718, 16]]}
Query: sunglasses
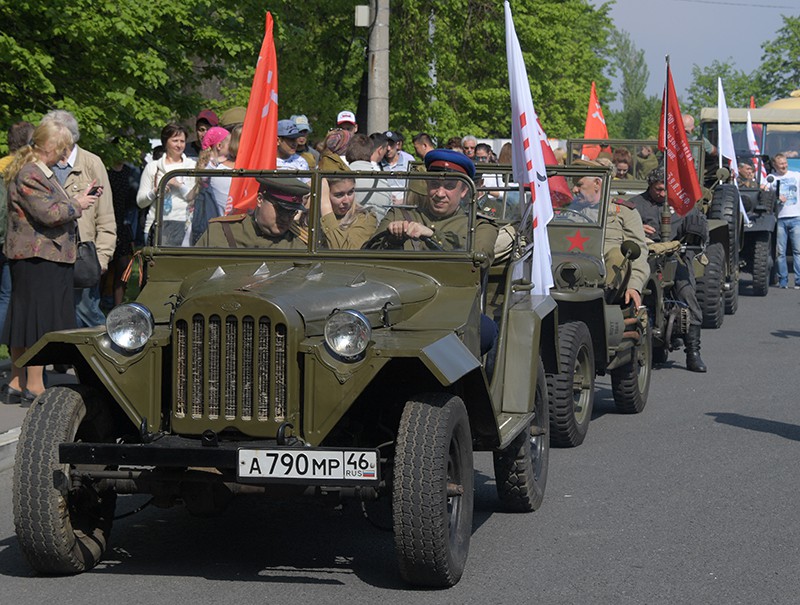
{"points": [[449, 184]]}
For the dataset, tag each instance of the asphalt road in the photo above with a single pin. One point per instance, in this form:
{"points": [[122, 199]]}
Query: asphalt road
{"points": [[693, 501]]}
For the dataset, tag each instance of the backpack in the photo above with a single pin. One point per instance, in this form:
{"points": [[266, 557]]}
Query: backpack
{"points": [[205, 208]]}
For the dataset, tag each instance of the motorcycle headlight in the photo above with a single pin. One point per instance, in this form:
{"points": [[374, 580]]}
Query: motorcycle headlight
{"points": [[347, 333], [130, 326]]}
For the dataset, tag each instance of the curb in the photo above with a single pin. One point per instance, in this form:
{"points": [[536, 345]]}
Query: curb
{"points": [[8, 447]]}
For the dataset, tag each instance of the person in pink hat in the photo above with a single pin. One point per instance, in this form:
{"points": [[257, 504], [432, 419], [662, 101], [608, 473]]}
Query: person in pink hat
{"points": [[205, 120]]}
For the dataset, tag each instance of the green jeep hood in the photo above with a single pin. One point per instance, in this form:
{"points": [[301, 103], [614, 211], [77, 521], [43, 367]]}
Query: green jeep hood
{"points": [[384, 295]]}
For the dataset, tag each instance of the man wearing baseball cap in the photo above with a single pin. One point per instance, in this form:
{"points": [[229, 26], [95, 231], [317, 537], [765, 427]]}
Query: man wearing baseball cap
{"points": [[346, 120], [288, 158], [269, 225], [205, 119], [305, 151]]}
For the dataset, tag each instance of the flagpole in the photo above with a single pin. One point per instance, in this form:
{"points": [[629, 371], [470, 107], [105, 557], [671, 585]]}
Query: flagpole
{"points": [[666, 215]]}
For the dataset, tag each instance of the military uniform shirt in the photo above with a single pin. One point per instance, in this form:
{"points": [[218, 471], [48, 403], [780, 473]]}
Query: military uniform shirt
{"points": [[624, 223], [449, 232], [246, 234]]}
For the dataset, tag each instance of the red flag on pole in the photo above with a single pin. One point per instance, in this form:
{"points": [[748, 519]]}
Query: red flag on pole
{"points": [[595, 126], [258, 147], [683, 188], [528, 142]]}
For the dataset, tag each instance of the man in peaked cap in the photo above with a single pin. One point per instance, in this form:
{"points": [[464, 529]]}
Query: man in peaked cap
{"points": [[270, 225], [441, 220]]}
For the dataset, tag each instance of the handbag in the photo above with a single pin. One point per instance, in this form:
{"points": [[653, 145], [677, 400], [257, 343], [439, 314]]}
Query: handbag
{"points": [[86, 272]]}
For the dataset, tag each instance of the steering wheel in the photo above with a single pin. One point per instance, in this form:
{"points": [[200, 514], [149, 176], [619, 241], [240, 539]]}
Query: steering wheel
{"points": [[583, 218], [379, 241]]}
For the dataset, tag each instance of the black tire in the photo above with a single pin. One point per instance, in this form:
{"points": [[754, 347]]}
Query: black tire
{"points": [[432, 528], [762, 263], [630, 384], [730, 298], [572, 389], [725, 206], [520, 469], [60, 532], [709, 287]]}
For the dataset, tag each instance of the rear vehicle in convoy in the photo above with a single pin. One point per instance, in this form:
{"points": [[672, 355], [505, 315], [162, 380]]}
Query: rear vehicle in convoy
{"points": [[598, 334], [289, 372], [776, 130]]}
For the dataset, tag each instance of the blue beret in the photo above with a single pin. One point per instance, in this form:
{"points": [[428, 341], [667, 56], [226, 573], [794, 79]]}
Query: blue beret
{"points": [[447, 160]]}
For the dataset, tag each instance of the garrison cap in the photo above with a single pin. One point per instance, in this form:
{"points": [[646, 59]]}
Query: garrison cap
{"points": [[284, 192], [447, 160]]}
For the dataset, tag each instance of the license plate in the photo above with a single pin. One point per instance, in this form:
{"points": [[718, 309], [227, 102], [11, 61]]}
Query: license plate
{"points": [[309, 466]]}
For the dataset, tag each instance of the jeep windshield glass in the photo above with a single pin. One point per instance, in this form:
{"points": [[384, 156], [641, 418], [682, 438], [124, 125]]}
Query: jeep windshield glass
{"points": [[287, 211]]}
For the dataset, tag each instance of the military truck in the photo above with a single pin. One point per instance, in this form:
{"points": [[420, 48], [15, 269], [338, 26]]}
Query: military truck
{"points": [[598, 335], [776, 130], [296, 371]]}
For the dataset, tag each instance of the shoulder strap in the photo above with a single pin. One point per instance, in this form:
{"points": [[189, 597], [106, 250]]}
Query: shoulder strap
{"points": [[226, 229]]}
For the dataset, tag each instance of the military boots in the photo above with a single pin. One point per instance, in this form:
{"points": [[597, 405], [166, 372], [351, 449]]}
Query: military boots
{"points": [[693, 361]]}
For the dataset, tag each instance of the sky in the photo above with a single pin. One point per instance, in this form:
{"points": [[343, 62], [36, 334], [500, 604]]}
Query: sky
{"points": [[696, 32]]}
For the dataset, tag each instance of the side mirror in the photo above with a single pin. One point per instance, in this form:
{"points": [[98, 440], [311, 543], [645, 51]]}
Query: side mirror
{"points": [[630, 249], [723, 175]]}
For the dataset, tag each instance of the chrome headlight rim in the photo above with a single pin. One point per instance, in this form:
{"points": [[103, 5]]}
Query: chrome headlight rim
{"points": [[347, 334], [130, 326]]}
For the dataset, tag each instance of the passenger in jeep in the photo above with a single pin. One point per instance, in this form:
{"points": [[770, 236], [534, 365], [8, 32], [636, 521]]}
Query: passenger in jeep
{"points": [[441, 220], [622, 223], [270, 225]]}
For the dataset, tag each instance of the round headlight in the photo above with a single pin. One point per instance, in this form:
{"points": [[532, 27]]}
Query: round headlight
{"points": [[347, 333], [130, 326]]}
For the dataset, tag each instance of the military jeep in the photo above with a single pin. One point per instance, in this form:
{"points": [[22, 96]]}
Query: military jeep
{"points": [[295, 372], [598, 335]]}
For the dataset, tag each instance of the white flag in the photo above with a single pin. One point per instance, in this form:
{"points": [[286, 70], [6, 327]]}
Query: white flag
{"points": [[754, 149], [528, 161], [726, 142]]}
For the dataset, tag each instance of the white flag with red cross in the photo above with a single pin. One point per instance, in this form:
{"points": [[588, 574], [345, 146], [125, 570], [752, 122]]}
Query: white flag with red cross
{"points": [[527, 138]]}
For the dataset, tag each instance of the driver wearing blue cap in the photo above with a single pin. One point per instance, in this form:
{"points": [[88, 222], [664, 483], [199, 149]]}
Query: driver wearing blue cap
{"points": [[441, 221]]}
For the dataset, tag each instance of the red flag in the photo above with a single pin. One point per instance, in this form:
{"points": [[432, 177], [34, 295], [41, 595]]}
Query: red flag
{"points": [[258, 148], [595, 126], [683, 188]]}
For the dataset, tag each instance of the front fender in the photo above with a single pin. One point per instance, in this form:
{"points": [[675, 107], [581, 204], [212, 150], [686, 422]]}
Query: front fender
{"points": [[133, 380]]}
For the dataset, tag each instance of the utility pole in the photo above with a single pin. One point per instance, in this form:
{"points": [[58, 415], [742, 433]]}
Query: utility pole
{"points": [[378, 66]]}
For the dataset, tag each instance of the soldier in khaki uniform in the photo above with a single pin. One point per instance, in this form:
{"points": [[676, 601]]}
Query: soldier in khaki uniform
{"points": [[271, 224], [439, 219], [623, 223]]}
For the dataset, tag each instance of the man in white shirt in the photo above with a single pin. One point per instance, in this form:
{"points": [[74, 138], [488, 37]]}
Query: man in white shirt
{"points": [[786, 183]]}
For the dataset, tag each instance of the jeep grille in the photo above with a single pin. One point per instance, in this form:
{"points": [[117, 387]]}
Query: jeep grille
{"points": [[224, 365]]}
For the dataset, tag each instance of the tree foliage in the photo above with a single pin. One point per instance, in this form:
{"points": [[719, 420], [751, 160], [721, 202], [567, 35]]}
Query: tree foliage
{"points": [[779, 73], [630, 62], [126, 68], [738, 86]]}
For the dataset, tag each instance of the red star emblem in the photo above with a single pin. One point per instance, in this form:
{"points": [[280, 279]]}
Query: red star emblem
{"points": [[577, 241]]}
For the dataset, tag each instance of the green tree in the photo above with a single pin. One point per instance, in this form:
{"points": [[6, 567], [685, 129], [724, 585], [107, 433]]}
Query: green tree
{"points": [[564, 44], [779, 73], [123, 68], [127, 68], [631, 63], [737, 84]]}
